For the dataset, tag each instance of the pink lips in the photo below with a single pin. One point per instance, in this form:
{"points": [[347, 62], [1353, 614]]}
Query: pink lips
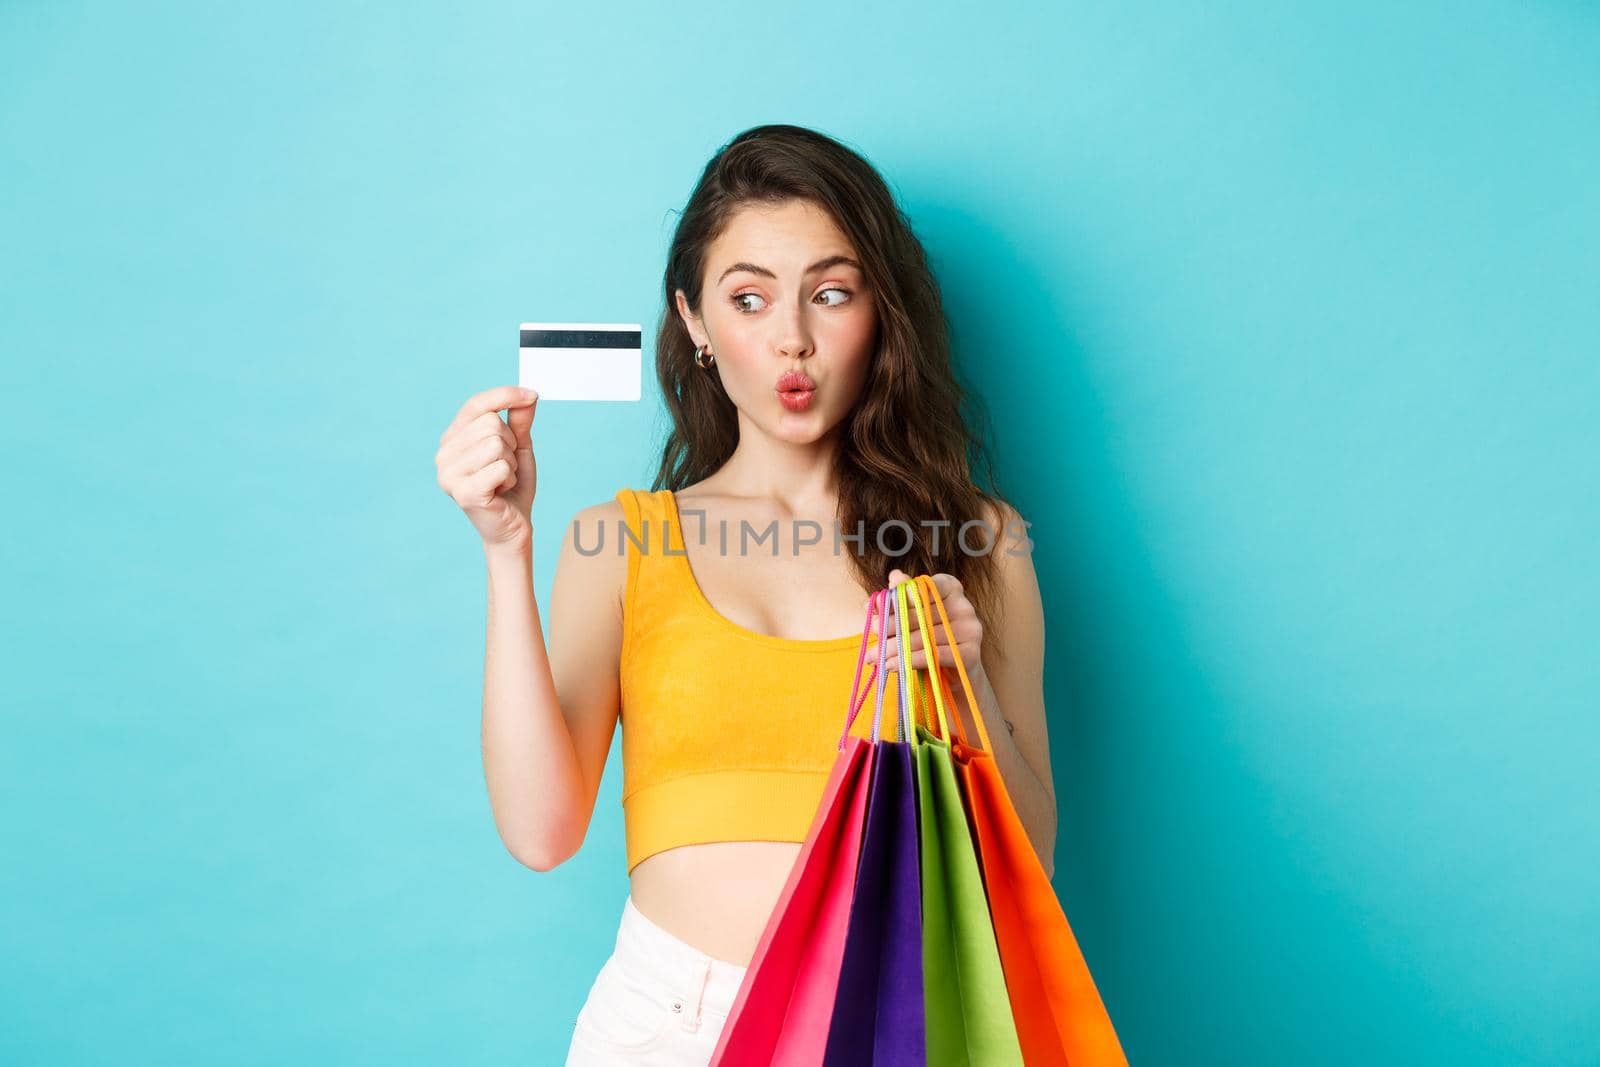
{"points": [[795, 390], [794, 381]]}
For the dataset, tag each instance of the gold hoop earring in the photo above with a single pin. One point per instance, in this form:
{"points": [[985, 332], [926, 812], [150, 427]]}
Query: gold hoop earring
{"points": [[702, 358]]}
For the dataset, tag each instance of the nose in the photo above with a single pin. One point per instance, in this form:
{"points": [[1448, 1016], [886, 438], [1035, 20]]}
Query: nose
{"points": [[794, 338]]}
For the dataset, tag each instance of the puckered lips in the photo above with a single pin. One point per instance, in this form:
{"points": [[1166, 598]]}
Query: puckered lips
{"points": [[795, 390]]}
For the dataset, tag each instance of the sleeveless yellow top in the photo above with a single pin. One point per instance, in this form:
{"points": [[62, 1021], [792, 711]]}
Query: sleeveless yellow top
{"points": [[728, 734]]}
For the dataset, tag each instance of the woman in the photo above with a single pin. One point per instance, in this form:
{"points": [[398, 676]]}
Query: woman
{"points": [[804, 360]]}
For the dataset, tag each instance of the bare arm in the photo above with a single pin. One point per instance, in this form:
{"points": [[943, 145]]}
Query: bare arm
{"points": [[1010, 690], [549, 716], [1009, 687]]}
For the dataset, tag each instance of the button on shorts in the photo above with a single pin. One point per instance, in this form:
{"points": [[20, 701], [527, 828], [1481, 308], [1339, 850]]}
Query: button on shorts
{"points": [[657, 1000]]}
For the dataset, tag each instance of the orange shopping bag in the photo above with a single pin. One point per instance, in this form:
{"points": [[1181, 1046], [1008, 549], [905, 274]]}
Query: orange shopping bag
{"points": [[1061, 1021]]}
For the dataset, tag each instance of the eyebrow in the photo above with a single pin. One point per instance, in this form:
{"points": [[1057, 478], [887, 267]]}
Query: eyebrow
{"points": [[821, 264]]}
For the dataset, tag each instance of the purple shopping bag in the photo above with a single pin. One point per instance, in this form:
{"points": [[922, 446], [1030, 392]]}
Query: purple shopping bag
{"points": [[878, 1017]]}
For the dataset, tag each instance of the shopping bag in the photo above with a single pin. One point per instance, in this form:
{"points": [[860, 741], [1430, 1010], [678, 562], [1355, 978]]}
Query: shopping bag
{"points": [[781, 1011], [878, 1015], [968, 1008], [1061, 1020]]}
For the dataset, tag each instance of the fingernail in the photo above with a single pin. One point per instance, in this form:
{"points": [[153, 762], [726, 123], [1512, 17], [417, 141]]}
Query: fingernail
{"points": [[531, 394]]}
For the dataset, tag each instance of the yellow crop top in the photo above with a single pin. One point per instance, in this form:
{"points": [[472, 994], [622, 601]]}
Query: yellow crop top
{"points": [[728, 734]]}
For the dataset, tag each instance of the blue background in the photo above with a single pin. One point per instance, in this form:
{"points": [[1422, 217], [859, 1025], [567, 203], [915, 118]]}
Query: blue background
{"points": [[1288, 319]]}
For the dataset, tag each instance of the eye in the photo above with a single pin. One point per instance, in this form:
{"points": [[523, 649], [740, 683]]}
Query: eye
{"points": [[745, 296], [836, 289]]}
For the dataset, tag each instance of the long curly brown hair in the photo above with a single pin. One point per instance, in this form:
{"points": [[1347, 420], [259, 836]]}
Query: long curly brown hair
{"points": [[908, 450]]}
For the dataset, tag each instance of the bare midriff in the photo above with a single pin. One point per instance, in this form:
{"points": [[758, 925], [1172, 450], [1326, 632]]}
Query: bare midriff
{"points": [[716, 896]]}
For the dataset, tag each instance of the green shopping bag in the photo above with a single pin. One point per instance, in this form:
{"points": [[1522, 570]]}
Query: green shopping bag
{"points": [[964, 986]]}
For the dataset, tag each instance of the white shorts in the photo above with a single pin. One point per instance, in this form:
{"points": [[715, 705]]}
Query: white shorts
{"points": [[657, 1000]]}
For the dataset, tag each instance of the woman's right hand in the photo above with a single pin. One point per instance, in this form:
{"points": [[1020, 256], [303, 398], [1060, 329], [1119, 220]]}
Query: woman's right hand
{"points": [[486, 465]]}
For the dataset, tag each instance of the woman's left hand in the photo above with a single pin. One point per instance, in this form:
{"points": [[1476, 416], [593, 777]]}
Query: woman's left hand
{"points": [[965, 627]]}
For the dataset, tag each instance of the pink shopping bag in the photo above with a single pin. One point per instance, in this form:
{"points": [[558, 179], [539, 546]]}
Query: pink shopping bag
{"points": [[781, 1013]]}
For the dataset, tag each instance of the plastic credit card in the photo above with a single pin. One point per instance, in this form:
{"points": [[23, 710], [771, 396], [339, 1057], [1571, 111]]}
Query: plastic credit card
{"points": [[581, 360]]}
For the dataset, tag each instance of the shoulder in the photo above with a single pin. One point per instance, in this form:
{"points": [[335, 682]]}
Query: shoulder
{"points": [[1019, 611], [587, 522], [1007, 530], [589, 541], [627, 505]]}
